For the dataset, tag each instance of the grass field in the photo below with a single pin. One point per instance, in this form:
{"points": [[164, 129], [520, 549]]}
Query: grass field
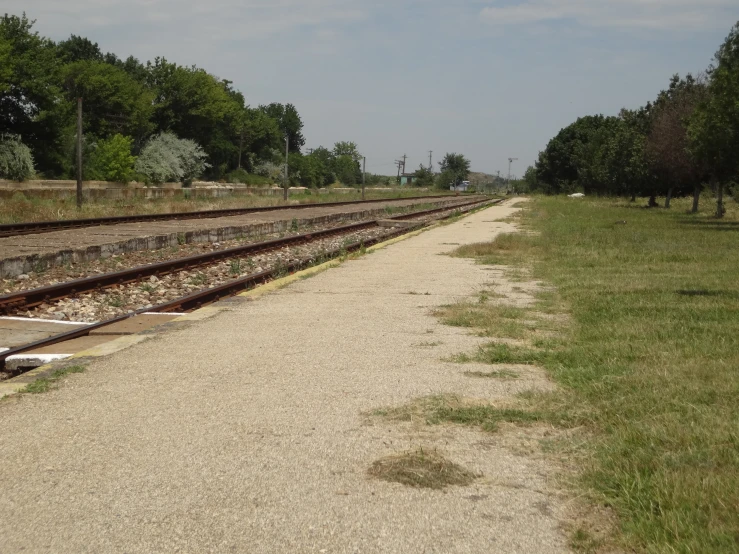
{"points": [[648, 365], [30, 207]]}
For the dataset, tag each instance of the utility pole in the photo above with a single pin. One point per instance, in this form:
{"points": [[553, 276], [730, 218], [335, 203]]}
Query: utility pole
{"points": [[287, 153], [404, 157], [79, 152], [364, 174], [399, 163], [510, 161], [241, 145], [430, 164]]}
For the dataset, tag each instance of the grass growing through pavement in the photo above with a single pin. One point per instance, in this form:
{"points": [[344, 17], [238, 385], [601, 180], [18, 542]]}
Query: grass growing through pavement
{"points": [[450, 408], [421, 469], [44, 385], [649, 362]]}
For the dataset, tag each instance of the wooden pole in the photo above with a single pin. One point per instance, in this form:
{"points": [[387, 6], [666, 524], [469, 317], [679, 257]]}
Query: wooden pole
{"points": [[364, 174], [287, 153], [79, 152]]}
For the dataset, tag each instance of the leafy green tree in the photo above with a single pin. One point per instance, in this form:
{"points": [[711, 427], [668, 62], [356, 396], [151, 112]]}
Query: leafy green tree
{"points": [[193, 104], [113, 103], [289, 122], [345, 163], [713, 132], [30, 96], [76, 49], [455, 167], [258, 135], [530, 179], [570, 160], [169, 158], [111, 160], [16, 160], [424, 177], [325, 161]]}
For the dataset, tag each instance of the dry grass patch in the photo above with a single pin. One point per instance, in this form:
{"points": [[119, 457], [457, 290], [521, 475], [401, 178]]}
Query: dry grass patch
{"points": [[498, 374], [422, 469]]}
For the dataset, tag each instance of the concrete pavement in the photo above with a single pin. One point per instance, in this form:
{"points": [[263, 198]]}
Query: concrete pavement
{"points": [[247, 432]]}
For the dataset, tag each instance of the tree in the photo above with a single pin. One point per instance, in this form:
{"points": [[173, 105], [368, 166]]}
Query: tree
{"points": [[530, 179], [76, 49], [30, 96], [111, 160], [423, 177], [573, 159], [345, 163], [455, 167], [16, 160], [193, 104], [169, 158], [289, 123], [713, 132], [667, 141], [113, 102]]}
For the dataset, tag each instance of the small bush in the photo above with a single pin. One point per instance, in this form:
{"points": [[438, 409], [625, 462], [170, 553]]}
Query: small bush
{"points": [[16, 160], [169, 158], [112, 160]]}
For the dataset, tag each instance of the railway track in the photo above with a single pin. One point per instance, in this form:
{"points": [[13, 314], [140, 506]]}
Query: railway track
{"points": [[32, 228], [23, 300]]}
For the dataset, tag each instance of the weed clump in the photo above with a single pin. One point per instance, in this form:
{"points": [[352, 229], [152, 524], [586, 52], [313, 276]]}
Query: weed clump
{"points": [[421, 469]]}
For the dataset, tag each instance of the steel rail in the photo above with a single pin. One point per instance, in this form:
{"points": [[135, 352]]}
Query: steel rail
{"points": [[29, 228], [27, 299], [214, 294]]}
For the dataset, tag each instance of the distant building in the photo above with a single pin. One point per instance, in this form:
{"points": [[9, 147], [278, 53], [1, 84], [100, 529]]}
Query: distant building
{"points": [[407, 178]]}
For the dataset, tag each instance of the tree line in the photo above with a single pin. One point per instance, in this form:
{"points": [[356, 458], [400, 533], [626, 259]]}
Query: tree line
{"points": [[153, 121], [684, 140]]}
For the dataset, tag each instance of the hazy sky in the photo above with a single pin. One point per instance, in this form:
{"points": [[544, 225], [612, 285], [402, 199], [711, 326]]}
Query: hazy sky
{"points": [[491, 79]]}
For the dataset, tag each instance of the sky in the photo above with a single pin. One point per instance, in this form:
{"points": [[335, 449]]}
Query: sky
{"points": [[491, 79]]}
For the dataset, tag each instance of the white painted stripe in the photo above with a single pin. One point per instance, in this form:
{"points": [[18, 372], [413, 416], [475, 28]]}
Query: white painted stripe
{"points": [[162, 313], [43, 320], [37, 357], [4, 349]]}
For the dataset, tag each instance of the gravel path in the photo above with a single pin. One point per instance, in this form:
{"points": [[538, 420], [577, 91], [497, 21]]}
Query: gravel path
{"points": [[246, 432]]}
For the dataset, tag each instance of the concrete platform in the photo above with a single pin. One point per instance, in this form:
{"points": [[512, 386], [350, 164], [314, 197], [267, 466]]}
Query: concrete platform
{"points": [[249, 431], [17, 331]]}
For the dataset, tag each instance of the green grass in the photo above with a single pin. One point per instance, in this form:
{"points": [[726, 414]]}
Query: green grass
{"points": [[648, 364], [46, 384]]}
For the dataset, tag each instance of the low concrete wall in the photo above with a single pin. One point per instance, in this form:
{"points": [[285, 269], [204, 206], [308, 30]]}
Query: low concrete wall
{"points": [[99, 190]]}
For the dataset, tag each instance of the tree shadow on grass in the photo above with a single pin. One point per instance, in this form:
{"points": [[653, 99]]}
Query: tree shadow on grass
{"points": [[712, 224], [704, 292]]}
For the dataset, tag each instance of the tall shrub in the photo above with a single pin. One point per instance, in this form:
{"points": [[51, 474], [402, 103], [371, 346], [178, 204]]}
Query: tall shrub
{"points": [[169, 158], [16, 160], [112, 160]]}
